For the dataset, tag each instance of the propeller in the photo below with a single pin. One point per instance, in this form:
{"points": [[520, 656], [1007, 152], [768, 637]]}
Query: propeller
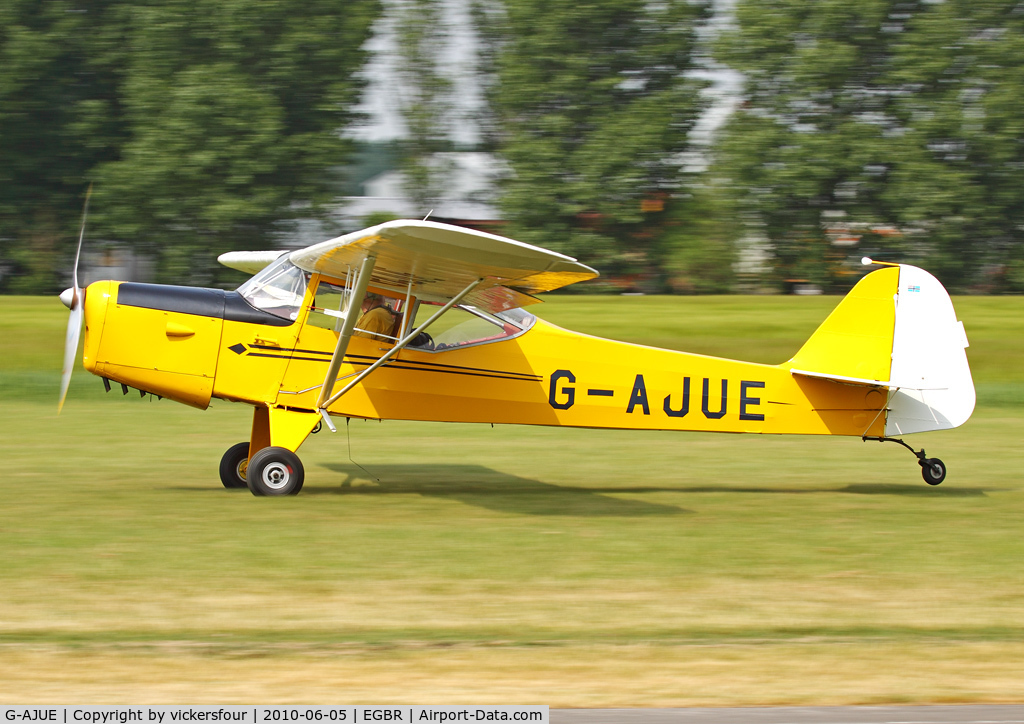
{"points": [[73, 299]]}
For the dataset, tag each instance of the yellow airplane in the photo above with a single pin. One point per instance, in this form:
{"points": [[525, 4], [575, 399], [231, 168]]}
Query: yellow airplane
{"points": [[889, 361]]}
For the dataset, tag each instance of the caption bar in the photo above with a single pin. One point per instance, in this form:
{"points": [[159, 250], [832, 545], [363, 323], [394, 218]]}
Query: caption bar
{"points": [[349, 714]]}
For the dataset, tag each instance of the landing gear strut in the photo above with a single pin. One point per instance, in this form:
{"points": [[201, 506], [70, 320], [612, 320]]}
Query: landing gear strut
{"points": [[933, 470]]}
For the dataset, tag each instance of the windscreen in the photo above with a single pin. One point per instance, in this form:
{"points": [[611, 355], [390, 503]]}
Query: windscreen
{"points": [[278, 289]]}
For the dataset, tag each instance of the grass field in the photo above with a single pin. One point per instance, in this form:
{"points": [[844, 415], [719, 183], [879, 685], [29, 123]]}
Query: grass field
{"points": [[512, 565]]}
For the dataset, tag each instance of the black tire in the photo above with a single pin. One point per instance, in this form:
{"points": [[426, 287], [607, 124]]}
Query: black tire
{"points": [[233, 465], [275, 471], [933, 471]]}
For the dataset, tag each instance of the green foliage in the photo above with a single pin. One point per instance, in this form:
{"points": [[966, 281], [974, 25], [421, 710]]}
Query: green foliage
{"points": [[591, 107], [379, 217], [58, 119], [426, 98], [203, 125], [960, 172], [885, 113], [699, 252], [802, 152], [208, 126], [235, 110]]}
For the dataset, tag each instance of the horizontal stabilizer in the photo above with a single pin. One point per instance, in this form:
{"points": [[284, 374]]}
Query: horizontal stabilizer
{"points": [[861, 381]]}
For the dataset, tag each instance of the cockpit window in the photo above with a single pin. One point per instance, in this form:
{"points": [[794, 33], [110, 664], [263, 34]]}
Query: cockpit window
{"points": [[518, 316], [278, 289], [467, 325]]}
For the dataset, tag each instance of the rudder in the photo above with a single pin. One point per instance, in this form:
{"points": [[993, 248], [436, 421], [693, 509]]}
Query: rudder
{"points": [[897, 328]]}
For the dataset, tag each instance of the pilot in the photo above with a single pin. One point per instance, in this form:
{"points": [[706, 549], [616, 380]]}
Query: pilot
{"points": [[377, 320]]}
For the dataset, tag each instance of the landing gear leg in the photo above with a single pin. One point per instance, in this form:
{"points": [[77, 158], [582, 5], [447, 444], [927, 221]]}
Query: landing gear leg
{"points": [[272, 467], [933, 470]]}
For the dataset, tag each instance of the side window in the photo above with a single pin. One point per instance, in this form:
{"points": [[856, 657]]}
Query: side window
{"points": [[329, 303], [327, 306], [463, 326]]}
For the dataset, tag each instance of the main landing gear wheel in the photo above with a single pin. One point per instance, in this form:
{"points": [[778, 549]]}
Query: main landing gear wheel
{"points": [[933, 470], [274, 471], [233, 465]]}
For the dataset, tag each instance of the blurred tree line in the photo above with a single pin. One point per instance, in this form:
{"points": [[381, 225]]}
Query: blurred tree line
{"points": [[895, 124], [204, 124], [890, 128], [591, 107]]}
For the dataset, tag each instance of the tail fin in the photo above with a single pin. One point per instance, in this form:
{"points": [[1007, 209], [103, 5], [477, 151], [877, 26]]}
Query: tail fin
{"points": [[897, 329]]}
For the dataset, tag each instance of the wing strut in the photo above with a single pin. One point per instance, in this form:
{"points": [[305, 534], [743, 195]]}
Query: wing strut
{"points": [[325, 391], [349, 325]]}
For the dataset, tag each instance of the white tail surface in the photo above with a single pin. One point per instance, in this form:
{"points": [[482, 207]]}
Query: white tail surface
{"points": [[931, 386]]}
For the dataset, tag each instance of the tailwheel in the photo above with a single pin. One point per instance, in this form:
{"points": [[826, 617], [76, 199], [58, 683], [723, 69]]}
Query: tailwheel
{"points": [[233, 466], [933, 470], [274, 471]]}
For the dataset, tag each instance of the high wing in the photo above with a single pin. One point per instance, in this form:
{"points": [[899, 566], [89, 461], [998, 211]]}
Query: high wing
{"points": [[439, 260], [436, 263], [250, 262]]}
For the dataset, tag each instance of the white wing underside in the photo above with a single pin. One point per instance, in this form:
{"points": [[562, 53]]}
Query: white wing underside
{"points": [[439, 260], [250, 262]]}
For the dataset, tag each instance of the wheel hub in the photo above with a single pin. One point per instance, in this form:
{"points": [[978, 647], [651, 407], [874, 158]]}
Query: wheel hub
{"points": [[276, 475]]}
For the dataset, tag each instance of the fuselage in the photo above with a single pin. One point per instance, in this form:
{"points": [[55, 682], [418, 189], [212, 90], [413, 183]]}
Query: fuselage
{"points": [[192, 345]]}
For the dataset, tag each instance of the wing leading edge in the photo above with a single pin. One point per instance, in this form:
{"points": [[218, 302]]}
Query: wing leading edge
{"points": [[250, 262]]}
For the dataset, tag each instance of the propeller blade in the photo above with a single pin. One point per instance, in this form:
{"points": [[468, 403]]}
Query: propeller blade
{"points": [[76, 303], [81, 235], [71, 346]]}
